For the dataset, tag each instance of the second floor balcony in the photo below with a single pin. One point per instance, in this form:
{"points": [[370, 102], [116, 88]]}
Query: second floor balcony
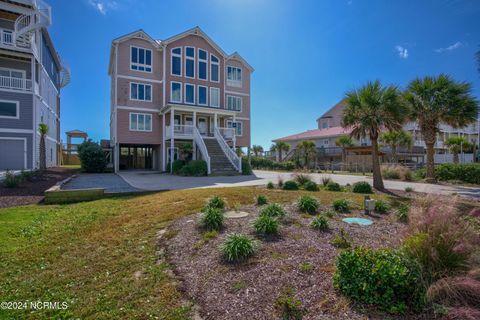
{"points": [[14, 83], [185, 131]]}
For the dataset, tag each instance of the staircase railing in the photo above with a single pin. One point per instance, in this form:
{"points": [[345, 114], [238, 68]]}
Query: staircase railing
{"points": [[202, 147], [230, 153], [26, 23]]}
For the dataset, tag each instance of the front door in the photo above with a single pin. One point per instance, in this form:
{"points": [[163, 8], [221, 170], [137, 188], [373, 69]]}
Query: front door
{"points": [[202, 125]]}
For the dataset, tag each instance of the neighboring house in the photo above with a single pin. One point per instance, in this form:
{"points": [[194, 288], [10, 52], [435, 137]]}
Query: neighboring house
{"points": [[31, 76], [184, 89]]}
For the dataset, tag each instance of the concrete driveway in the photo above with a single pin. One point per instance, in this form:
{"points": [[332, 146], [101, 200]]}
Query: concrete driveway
{"points": [[159, 181]]}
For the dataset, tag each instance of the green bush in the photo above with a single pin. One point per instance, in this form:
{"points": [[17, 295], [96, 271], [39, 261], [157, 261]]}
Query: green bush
{"points": [[26, 175], [311, 186], [402, 213], [263, 163], [341, 205], [212, 218], [177, 166], [266, 225], [362, 187], [319, 223], [326, 181], [381, 206], [342, 240], [92, 157], [308, 204], [329, 213], [216, 202], [270, 185], [195, 168], [390, 174], [384, 278], [238, 247], [333, 186], [290, 185], [289, 307], [11, 180], [261, 200], [408, 189], [301, 178], [246, 167], [465, 172], [273, 210]]}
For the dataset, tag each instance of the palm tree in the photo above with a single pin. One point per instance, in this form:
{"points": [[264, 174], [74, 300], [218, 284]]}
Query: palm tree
{"points": [[344, 142], [281, 146], [257, 150], [435, 100], [369, 110], [43, 129], [308, 150], [457, 145], [396, 139]]}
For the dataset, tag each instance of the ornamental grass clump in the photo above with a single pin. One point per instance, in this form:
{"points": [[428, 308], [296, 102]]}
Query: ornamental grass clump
{"points": [[212, 218], [308, 204], [381, 206], [311, 186], [265, 225], [362, 187], [290, 185], [341, 205], [261, 200], [319, 223], [273, 210], [301, 178], [238, 247], [333, 186], [216, 202]]}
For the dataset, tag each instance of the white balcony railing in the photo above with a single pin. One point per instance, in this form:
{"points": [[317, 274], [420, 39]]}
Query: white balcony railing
{"points": [[227, 133], [15, 83], [202, 147], [6, 37], [229, 152], [179, 131]]}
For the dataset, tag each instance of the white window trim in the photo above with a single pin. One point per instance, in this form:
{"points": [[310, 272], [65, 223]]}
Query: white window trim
{"points": [[213, 89], [206, 95], [231, 82], [217, 64], [202, 60], [190, 58], [144, 115], [140, 64], [171, 61], [241, 103], [23, 72], [171, 92], [241, 127], [143, 84], [18, 109], [185, 95]]}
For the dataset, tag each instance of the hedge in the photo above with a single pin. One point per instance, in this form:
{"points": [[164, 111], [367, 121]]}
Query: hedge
{"points": [[468, 172], [264, 163]]}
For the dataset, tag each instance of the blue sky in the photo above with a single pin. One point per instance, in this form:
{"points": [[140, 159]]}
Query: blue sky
{"points": [[306, 54]]}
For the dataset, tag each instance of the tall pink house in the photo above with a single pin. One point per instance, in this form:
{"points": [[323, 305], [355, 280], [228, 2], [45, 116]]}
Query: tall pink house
{"points": [[184, 89]]}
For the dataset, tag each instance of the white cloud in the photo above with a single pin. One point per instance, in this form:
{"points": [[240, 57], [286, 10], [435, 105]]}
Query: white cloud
{"points": [[402, 52], [103, 6], [454, 46]]}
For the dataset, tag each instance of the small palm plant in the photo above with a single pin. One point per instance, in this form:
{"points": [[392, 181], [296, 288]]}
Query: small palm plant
{"points": [[396, 139], [280, 147], [457, 145], [257, 150], [344, 142], [308, 151], [43, 129]]}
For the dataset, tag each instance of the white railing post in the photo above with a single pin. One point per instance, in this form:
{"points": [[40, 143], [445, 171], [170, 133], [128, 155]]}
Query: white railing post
{"points": [[202, 147]]}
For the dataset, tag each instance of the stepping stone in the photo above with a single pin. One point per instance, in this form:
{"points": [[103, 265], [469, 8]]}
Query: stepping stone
{"points": [[236, 214]]}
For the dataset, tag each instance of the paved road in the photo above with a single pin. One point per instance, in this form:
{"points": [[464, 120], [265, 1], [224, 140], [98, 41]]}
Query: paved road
{"points": [[158, 181], [111, 182]]}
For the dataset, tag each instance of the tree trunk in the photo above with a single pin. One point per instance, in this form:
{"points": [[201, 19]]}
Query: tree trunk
{"points": [[455, 157], [430, 138], [394, 154], [279, 155], [43, 159], [343, 158], [377, 174]]}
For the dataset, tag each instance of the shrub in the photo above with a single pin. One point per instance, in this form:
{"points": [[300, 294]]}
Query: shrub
{"points": [[362, 187], [290, 185], [11, 179], [26, 175], [273, 210], [195, 168], [342, 240], [319, 223], [396, 172], [455, 291], [306, 267], [246, 167], [266, 225], [301, 178], [92, 157], [261, 200], [326, 181], [270, 185], [311, 186], [263, 163], [408, 189], [381, 206], [308, 204], [467, 172], [341, 205], [289, 307], [329, 213], [402, 213], [333, 186], [216, 202], [280, 182], [212, 218], [384, 278], [390, 174], [238, 247], [177, 165]]}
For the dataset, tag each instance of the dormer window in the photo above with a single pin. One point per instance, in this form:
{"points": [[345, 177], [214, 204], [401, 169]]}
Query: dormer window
{"points": [[141, 59], [202, 64], [176, 65], [234, 76], [189, 62], [214, 69]]}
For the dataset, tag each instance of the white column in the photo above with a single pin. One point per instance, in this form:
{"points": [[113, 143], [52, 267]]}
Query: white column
{"points": [[215, 120], [234, 133], [194, 122], [164, 141], [172, 111]]}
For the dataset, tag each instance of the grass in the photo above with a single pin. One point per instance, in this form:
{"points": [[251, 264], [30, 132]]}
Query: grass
{"points": [[88, 254]]}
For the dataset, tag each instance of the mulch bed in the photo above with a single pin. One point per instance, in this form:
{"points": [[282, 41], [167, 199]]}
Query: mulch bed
{"points": [[249, 290], [32, 192]]}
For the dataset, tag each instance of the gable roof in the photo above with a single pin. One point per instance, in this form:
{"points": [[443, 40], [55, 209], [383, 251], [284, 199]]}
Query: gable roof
{"points": [[340, 104], [237, 56], [316, 133], [198, 32]]}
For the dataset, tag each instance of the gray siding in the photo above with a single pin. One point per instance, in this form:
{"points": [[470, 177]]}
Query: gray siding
{"points": [[7, 24], [26, 110], [17, 64], [29, 146]]}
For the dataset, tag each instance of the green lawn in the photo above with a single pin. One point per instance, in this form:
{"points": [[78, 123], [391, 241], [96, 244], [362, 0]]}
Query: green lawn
{"points": [[87, 254]]}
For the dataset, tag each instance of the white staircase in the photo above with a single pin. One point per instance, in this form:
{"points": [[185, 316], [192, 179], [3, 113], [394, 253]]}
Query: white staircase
{"points": [[27, 24], [64, 75]]}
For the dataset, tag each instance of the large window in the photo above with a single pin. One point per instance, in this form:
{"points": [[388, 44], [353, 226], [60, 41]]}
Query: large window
{"points": [[141, 59], [189, 62], [189, 93], [214, 97], [140, 122], [140, 91], [234, 76], [214, 69], [9, 109], [237, 125], [176, 62], [202, 95], [176, 92], [234, 103], [202, 64]]}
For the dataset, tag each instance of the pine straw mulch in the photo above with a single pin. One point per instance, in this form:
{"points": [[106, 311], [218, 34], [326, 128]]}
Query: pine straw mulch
{"points": [[249, 290]]}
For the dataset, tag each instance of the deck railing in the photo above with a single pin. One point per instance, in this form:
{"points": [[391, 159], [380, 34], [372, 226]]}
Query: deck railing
{"points": [[180, 131], [230, 153], [15, 83], [202, 147]]}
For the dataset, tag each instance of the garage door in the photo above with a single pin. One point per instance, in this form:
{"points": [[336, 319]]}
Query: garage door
{"points": [[12, 154]]}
